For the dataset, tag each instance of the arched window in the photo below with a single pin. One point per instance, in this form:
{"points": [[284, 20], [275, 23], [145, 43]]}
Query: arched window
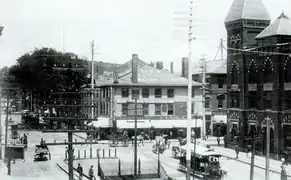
{"points": [[234, 73], [287, 70], [268, 70], [253, 72]]}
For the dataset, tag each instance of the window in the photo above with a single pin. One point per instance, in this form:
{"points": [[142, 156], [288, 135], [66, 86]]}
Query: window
{"points": [[145, 92], [267, 100], [253, 99], [220, 99], [145, 109], [124, 92], [158, 109], [124, 109], [234, 100], [135, 93], [192, 108], [287, 99], [171, 93], [207, 102], [158, 93], [193, 92], [170, 109], [164, 108], [220, 83]]}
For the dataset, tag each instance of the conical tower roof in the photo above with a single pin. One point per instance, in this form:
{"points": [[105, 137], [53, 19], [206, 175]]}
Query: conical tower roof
{"points": [[281, 26], [247, 9]]}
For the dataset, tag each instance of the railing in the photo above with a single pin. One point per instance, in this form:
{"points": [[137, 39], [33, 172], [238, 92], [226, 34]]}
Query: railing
{"points": [[252, 87], [268, 87], [287, 86]]}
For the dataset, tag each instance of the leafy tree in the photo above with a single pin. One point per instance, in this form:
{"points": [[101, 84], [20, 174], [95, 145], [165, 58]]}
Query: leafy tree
{"points": [[46, 69]]}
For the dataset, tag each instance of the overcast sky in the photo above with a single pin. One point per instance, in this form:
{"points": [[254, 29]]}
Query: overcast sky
{"points": [[154, 29]]}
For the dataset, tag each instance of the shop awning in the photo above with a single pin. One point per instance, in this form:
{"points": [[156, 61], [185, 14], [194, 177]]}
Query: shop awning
{"points": [[220, 119], [129, 124], [102, 122]]}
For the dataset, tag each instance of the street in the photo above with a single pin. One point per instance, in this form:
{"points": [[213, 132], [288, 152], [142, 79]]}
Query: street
{"points": [[28, 169]]}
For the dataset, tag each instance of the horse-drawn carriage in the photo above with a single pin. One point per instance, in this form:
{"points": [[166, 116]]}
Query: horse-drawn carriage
{"points": [[118, 137]]}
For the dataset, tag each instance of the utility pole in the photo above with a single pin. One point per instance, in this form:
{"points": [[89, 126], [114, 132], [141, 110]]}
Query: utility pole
{"points": [[203, 66], [92, 78], [189, 102], [0, 123], [221, 49], [254, 141], [135, 132], [267, 175]]}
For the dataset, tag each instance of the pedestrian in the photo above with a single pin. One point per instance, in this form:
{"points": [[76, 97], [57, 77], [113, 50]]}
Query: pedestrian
{"points": [[209, 132], [236, 151], [80, 171], [225, 141], [218, 141], [91, 173], [141, 139]]}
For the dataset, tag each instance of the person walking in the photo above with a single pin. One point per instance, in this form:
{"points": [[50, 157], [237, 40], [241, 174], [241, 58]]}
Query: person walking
{"points": [[236, 151], [141, 139], [218, 141], [225, 141], [80, 171], [249, 148], [91, 173]]}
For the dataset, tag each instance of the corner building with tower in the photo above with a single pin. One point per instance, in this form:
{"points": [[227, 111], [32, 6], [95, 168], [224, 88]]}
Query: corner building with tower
{"points": [[259, 77]]}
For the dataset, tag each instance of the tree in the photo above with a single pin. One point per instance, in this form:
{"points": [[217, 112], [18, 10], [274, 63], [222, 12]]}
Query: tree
{"points": [[46, 69]]}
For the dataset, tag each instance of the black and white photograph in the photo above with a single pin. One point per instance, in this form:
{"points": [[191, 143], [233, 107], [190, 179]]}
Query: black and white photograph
{"points": [[145, 90]]}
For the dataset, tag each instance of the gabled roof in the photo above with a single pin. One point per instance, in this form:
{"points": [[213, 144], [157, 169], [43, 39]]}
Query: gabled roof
{"points": [[281, 26], [212, 67], [247, 9]]}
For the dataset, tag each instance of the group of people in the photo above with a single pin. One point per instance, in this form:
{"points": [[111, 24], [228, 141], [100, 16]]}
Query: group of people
{"points": [[90, 173]]}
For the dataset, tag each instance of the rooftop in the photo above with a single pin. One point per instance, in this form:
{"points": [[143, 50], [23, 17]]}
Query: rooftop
{"points": [[247, 9], [281, 26], [147, 76], [212, 67]]}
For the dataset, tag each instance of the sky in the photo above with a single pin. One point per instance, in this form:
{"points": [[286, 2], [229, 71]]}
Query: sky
{"points": [[156, 30]]}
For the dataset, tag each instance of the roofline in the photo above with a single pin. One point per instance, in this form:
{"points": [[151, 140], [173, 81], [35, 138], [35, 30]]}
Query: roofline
{"points": [[138, 85], [209, 73]]}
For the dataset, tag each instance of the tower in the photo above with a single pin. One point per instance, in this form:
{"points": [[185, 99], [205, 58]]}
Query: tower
{"points": [[244, 21]]}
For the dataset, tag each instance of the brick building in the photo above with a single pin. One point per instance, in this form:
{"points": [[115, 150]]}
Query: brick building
{"points": [[258, 75], [215, 99], [162, 100]]}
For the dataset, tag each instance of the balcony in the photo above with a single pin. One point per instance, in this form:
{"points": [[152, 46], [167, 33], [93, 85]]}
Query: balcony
{"points": [[252, 87], [268, 87], [287, 86], [234, 87]]}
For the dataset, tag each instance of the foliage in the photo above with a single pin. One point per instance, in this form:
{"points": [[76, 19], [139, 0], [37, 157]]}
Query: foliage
{"points": [[46, 69]]}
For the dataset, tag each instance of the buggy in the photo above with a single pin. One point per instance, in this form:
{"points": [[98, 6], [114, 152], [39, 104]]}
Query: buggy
{"points": [[116, 138], [42, 153]]}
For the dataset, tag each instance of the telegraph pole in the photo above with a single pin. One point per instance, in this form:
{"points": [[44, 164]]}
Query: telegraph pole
{"points": [[189, 102], [267, 175], [254, 141], [92, 78], [0, 123], [221, 49], [203, 62], [135, 133]]}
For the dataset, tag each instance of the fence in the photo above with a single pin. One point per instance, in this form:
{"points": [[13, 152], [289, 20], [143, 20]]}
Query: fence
{"points": [[93, 154]]}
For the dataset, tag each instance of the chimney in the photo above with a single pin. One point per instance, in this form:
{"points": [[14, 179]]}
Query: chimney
{"points": [[185, 67], [134, 68], [152, 64], [115, 76], [172, 67], [159, 65]]}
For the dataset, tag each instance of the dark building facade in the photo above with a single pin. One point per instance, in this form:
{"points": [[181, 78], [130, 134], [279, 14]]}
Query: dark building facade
{"points": [[259, 76], [215, 96]]}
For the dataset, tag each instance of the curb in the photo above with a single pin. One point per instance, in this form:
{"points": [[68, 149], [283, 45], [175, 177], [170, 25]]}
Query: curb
{"points": [[254, 165]]}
